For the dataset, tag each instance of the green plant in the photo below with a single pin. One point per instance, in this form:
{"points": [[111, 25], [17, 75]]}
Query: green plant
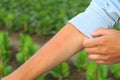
{"points": [[117, 27], [42, 77], [61, 71], [4, 45], [81, 59], [39, 16], [96, 72], [5, 69], [26, 49], [115, 70]]}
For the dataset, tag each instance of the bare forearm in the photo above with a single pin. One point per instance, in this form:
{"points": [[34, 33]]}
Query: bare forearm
{"points": [[62, 46]]}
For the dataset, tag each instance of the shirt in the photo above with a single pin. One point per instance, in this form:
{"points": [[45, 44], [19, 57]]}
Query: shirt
{"points": [[100, 13]]}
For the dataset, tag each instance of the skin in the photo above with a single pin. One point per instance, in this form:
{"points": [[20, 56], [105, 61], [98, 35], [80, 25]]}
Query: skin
{"points": [[62, 46], [105, 47]]}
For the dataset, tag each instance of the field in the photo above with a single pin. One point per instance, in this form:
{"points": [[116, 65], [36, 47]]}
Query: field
{"points": [[25, 26]]}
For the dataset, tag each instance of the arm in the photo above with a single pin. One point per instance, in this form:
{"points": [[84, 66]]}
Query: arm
{"points": [[63, 45], [67, 42]]}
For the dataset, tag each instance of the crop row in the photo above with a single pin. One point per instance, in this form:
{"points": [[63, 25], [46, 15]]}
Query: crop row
{"points": [[38, 16]]}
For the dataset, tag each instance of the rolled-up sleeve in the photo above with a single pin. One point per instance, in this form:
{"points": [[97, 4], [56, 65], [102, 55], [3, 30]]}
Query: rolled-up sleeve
{"points": [[100, 13]]}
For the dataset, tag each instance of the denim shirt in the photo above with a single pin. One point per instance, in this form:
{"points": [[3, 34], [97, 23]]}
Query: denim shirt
{"points": [[100, 13]]}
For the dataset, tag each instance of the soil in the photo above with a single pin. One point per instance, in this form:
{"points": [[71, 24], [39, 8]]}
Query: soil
{"points": [[75, 74]]}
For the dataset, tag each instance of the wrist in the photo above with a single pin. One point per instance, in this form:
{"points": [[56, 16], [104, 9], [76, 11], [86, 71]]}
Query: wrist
{"points": [[5, 78], [13, 77]]}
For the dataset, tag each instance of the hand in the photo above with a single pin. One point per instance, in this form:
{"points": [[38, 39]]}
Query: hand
{"points": [[105, 47]]}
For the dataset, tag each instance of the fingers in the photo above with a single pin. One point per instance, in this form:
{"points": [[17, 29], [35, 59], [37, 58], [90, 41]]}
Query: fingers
{"points": [[101, 32], [94, 50], [108, 62], [98, 57], [90, 43], [99, 49], [97, 41], [102, 62], [103, 59]]}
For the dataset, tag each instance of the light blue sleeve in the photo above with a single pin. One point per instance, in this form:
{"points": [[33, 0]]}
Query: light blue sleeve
{"points": [[100, 13]]}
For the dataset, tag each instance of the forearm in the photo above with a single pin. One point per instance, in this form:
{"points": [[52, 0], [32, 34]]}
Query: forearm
{"points": [[63, 45]]}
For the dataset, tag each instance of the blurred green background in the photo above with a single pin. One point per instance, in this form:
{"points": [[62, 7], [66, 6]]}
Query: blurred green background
{"points": [[38, 16], [26, 25]]}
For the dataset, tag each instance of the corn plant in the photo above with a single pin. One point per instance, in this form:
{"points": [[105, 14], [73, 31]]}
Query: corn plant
{"points": [[61, 71], [96, 72], [81, 59], [5, 69], [26, 49]]}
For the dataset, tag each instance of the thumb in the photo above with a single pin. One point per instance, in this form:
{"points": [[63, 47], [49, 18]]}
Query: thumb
{"points": [[100, 32]]}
